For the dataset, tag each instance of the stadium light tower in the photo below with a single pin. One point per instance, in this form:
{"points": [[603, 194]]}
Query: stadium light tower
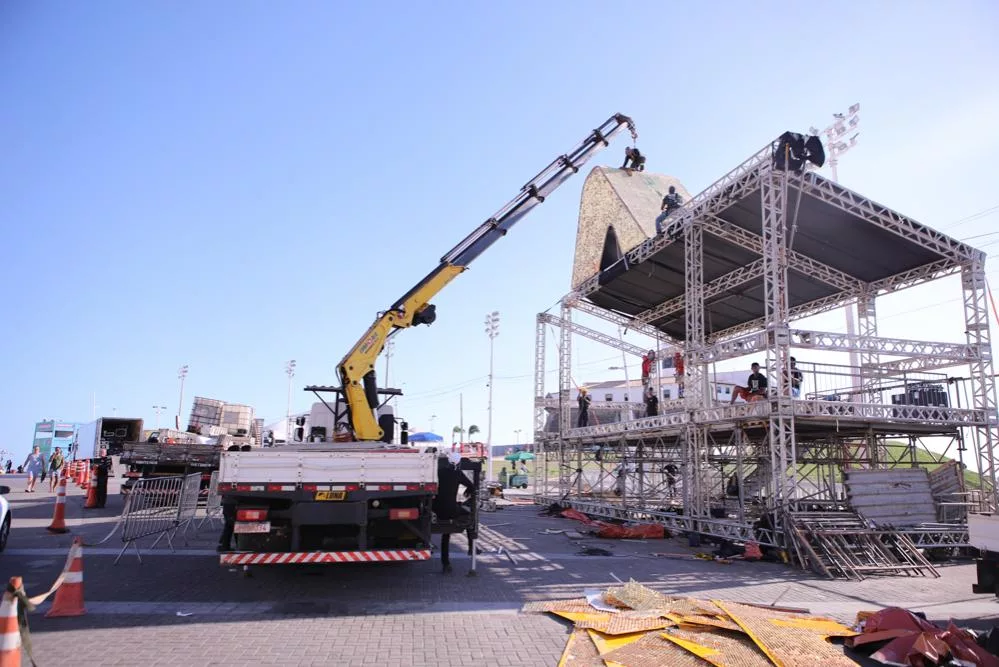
{"points": [[492, 330], [289, 368], [181, 374], [158, 409], [837, 144]]}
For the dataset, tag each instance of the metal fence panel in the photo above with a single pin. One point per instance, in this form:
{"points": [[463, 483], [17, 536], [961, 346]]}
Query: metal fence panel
{"points": [[151, 507], [213, 502], [188, 502]]}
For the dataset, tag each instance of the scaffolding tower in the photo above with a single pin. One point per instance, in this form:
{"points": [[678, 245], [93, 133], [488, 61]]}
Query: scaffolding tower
{"points": [[738, 266]]}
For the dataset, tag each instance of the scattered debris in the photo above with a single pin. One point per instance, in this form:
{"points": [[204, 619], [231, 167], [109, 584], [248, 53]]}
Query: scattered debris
{"points": [[901, 637], [608, 530], [594, 551], [649, 628], [634, 626]]}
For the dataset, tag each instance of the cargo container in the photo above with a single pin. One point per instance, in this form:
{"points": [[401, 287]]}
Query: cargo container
{"points": [[110, 432]]}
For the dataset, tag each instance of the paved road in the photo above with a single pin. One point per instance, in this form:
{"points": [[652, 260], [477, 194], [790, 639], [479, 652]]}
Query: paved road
{"points": [[182, 608]]}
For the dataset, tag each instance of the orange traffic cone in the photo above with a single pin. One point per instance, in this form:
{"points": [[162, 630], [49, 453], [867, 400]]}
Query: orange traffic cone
{"points": [[69, 596], [91, 493], [85, 475], [58, 524], [10, 633]]}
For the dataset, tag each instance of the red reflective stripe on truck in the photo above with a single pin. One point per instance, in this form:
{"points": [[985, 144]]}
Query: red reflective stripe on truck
{"points": [[287, 557]]}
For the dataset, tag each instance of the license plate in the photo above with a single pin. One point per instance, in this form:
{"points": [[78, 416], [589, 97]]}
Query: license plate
{"points": [[331, 495], [252, 527]]}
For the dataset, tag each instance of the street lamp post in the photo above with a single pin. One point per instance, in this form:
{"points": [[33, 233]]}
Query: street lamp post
{"points": [[433, 418], [492, 330], [181, 374], [517, 432], [837, 144], [289, 368], [158, 409]]}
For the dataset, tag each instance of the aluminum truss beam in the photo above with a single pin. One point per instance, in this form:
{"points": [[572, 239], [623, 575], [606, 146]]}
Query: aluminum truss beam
{"points": [[618, 319], [867, 321], [887, 219], [976, 317], [802, 263], [540, 414], [867, 342], [565, 372], [783, 457], [592, 334], [724, 192]]}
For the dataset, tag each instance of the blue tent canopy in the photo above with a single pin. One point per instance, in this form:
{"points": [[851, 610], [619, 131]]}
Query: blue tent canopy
{"points": [[425, 436]]}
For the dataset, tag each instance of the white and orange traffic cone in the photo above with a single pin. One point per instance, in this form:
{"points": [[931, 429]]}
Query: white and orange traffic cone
{"points": [[91, 492], [10, 632], [58, 524], [69, 596]]}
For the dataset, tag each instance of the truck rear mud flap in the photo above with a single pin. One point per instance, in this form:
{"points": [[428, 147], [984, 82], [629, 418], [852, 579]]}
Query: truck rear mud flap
{"points": [[323, 557]]}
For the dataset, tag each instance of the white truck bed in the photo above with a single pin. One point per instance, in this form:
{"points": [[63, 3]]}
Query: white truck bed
{"points": [[983, 531], [329, 464]]}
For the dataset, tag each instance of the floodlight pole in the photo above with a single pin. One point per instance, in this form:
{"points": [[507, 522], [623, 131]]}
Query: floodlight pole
{"points": [[289, 368], [492, 330], [844, 124]]}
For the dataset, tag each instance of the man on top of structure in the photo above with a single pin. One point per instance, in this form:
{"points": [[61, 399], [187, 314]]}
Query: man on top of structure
{"points": [[651, 403], [633, 159], [584, 408], [756, 386], [795, 377], [671, 202]]}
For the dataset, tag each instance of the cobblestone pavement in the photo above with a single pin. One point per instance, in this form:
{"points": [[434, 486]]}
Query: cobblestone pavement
{"points": [[182, 608]]}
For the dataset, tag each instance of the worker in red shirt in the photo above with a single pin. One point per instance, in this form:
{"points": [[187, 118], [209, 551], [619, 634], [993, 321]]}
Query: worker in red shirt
{"points": [[647, 367]]}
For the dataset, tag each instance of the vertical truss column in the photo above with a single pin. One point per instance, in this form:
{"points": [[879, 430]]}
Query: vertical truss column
{"points": [[783, 458], [867, 325], [976, 317], [566, 464], [695, 491], [565, 372], [540, 413]]}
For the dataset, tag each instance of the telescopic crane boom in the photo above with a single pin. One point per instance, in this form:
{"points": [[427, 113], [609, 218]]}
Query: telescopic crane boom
{"points": [[357, 368]]}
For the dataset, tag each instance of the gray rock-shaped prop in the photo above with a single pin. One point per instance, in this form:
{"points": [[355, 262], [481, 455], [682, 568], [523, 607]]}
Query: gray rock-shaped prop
{"points": [[627, 202]]}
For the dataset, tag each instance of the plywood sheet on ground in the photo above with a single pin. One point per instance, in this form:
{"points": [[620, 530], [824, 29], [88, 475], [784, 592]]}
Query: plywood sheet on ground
{"points": [[624, 623], [544, 606], [653, 651], [793, 644], [580, 651], [721, 648]]}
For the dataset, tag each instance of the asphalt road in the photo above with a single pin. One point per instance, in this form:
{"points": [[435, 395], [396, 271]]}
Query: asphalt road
{"points": [[181, 607]]}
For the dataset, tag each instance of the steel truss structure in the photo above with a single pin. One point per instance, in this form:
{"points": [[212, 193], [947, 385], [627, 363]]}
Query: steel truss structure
{"points": [[737, 470]]}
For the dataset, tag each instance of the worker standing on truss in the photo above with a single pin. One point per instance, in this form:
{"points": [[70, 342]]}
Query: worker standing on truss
{"points": [[584, 408], [671, 202], [647, 361]]}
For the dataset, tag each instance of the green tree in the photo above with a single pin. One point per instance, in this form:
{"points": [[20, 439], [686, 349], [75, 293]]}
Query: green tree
{"points": [[472, 430], [457, 433]]}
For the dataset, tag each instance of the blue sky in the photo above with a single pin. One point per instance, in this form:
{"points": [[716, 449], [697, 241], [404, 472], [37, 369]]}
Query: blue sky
{"points": [[232, 185]]}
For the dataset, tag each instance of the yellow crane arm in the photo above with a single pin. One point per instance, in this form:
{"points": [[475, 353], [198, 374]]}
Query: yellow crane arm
{"points": [[357, 369]]}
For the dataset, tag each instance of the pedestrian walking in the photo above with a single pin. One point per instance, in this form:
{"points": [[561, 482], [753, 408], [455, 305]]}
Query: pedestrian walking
{"points": [[56, 463], [34, 465]]}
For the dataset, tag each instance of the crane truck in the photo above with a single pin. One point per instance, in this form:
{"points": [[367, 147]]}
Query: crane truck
{"points": [[344, 492]]}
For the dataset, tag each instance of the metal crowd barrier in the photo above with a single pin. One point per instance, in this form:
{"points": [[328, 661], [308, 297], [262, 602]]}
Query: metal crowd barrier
{"points": [[158, 506], [213, 503]]}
